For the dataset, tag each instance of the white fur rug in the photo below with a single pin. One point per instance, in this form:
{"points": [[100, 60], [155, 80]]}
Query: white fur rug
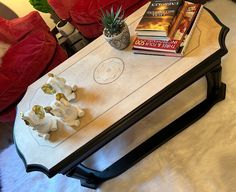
{"points": [[200, 159], [14, 177]]}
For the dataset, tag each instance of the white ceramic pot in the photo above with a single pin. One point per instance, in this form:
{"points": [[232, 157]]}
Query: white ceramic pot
{"points": [[120, 41], [65, 28]]}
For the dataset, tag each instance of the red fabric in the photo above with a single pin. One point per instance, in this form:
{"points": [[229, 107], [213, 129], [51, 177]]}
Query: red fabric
{"points": [[59, 56], [85, 14], [19, 68], [34, 51], [8, 115], [61, 8], [12, 31]]}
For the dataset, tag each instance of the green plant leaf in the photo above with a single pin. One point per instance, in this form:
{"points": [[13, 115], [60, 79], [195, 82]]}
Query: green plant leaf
{"points": [[112, 20], [112, 12], [41, 5], [117, 14]]}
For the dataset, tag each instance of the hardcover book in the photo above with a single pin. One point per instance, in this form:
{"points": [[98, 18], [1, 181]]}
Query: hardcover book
{"points": [[178, 45], [158, 17], [186, 21], [177, 20], [156, 45]]}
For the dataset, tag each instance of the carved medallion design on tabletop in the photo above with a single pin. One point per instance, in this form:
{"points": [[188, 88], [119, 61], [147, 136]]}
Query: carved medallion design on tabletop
{"points": [[108, 70]]}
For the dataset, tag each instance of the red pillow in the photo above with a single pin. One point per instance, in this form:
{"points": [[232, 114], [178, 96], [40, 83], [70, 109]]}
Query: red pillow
{"points": [[12, 31], [33, 52], [85, 14], [24, 63]]}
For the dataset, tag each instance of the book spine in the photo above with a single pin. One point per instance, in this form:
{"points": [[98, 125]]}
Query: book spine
{"points": [[185, 24], [189, 35], [150, 37], [166, 2], [177, 20], [156, 53]]}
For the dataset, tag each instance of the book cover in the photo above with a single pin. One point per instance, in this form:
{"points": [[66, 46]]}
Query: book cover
{"points": [[177, 20], [183, 26], [193, 14], [158, 17], [156, 45], [184, 35]]}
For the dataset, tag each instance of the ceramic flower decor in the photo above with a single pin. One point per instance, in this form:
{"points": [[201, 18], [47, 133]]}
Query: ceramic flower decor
{"points": [[57, 84], [40, 121]]}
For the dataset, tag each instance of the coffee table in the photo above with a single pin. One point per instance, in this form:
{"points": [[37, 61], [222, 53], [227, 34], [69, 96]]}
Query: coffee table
{"points": [[117, 90]]}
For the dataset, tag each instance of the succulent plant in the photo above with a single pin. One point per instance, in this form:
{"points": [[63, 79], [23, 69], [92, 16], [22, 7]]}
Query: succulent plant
{"points": [[112, 21]]}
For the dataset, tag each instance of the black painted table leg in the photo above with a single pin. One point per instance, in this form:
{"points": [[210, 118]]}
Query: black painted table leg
{"points": [[215, 89], [88, 177]]}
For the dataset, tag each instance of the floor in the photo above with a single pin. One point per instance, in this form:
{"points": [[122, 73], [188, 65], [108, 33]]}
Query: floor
{"points": [[5, 135]]}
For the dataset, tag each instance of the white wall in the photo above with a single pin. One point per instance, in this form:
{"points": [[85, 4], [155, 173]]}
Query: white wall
{"points": [[23, 7]]}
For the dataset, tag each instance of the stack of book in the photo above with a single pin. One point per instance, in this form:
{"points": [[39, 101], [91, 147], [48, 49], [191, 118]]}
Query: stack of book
{"points": [[166, 27]]}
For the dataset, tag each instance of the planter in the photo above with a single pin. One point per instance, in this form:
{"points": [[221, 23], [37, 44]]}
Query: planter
{"points": [[120, 41], [65, 28]]}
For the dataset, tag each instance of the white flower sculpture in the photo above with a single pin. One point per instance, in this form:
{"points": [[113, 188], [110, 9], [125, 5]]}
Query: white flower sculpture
{"points": [[40, 121], [68, 113], [57, 84]]}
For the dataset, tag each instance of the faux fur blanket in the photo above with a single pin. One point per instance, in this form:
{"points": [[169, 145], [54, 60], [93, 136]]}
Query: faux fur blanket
{"points": [[15, 178]]}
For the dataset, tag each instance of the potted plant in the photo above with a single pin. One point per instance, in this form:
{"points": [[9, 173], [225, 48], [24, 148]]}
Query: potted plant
{"points": [[63, 26], [115, 31]]}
